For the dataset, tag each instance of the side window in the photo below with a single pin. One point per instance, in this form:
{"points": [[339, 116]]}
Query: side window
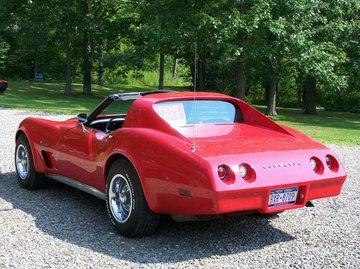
{"points": [[116, 108], [112, 117]]}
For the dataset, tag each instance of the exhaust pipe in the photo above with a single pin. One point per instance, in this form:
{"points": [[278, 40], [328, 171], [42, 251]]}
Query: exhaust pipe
{"points": [[309, 204]]}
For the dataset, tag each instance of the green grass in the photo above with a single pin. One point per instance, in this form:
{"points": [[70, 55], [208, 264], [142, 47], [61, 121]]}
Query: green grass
{"points": [[50, 97], [341, 128], [326, 127]]}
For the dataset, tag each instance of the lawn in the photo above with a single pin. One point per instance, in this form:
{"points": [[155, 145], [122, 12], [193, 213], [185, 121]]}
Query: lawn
{"points": [[327, 127], [342, 128], [49, 97]]}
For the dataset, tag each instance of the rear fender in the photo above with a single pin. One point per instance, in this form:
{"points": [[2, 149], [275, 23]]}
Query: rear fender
{"points": [[167, 169]]}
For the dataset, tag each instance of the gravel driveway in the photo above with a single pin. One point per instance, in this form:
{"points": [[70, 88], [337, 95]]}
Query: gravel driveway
{"points": [[59, 227]]}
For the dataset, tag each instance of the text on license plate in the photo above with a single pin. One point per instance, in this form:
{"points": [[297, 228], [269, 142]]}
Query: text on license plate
{"points": [[283, 196]]}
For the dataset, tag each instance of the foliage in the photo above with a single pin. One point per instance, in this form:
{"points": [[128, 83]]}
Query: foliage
{"points": [[342, 101], [257, 43], [4, 47]]}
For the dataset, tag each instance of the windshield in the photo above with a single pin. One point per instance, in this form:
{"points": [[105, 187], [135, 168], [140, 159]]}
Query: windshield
{"points": [[188, 112]]}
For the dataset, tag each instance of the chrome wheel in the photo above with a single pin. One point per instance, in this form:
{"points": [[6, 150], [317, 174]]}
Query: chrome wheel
{"points": [[22, 161], [120, 198], [125, 201], [27, 176]]}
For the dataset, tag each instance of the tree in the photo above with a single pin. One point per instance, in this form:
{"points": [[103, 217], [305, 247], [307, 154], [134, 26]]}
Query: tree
{"points": [[4, 48], [69, 26], [243, 46], [157, 25], [317, 25]]}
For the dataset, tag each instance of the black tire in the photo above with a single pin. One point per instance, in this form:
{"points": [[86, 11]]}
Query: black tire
{"points": [[124, 192], [29, 179]]}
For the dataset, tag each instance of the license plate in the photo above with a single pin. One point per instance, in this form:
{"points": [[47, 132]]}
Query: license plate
{"points": [[283, 196]]}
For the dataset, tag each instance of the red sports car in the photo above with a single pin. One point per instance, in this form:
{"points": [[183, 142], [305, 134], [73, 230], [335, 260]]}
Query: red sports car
{"points": [[188, 155]]}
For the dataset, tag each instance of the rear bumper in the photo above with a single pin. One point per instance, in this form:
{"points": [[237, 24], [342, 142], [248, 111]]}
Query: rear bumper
{"points": [[200, 201], [258, 199]]}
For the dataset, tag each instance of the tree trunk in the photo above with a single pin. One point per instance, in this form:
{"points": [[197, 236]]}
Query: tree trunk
{"points": [[68, 83], [240, 78], [101, 66], [174, 73], [192, 72], [87, 65], [37, 55], [161, 71], [299, 95], [271, 101], [273, 88], [310, 95], [175, 65], [240, 63]]}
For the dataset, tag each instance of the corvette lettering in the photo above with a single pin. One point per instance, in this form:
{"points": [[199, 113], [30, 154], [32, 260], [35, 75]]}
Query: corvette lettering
{"points": [[281, 165]]}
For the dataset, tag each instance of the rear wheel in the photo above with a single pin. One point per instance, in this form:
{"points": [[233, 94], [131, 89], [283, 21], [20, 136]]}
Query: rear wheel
{"points": [[126, 204], [28, 178]]}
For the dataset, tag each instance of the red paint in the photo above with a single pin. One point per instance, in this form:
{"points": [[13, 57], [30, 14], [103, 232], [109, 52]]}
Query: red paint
{"points": [[162, 156]]}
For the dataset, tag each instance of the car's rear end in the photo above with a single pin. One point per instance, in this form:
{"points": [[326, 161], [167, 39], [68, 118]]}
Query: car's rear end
{"points": [[274, 181], [253, 163]]}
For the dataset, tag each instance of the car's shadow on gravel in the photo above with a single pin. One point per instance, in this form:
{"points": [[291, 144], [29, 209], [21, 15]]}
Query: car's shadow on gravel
{"points": [[80, 219]]}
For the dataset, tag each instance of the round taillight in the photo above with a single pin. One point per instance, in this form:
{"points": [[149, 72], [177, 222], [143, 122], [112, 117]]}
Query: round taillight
{"points": [[329, 162], [332, 163], [313, 164], [221, 170], [316, 165], [226, 174], [247, 172], [243, 171]]}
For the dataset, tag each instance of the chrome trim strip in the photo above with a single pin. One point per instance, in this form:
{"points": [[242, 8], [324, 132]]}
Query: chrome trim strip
{"points": [[78, 185]]}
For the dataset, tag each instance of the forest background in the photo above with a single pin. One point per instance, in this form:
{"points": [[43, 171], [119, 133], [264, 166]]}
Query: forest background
{"points": [[275, 52]]}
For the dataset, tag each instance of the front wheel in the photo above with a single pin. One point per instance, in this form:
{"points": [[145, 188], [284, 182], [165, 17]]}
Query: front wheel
{"points": [[125, 202], [27, 176]]}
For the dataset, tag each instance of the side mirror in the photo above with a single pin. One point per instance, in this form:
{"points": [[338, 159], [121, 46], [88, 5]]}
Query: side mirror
{"points": [[82, 118]]}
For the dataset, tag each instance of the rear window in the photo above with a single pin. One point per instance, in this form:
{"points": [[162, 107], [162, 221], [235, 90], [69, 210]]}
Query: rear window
{"points": [[188, 112]]}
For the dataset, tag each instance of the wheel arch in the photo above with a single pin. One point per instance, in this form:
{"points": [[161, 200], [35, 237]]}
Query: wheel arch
{"points": [[110, 161], [38, 164], [18, 133], [118, 156]]}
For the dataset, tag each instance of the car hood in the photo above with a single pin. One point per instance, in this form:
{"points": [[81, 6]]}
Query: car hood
{"points": [[231, 139]]}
